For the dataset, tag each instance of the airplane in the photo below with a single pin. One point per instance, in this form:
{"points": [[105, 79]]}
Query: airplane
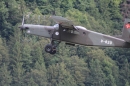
{"points": [[65, 30]]}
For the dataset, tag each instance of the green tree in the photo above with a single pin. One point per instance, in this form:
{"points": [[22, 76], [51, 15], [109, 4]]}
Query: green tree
{"points": [[15, 60], [78, 69], [6, 30], [5, 77], [96, 76], [59, 76], [105, 69]]}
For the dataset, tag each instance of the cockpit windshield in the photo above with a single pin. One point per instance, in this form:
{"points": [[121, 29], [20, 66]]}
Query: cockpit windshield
{"points": [[81, 27]]}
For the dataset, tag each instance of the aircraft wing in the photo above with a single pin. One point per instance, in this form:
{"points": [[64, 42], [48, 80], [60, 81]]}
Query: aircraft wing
{"points": [[63, 22]]}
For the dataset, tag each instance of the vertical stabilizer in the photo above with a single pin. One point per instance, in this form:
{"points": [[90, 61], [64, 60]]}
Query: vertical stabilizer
{"points": [[126, 30]]}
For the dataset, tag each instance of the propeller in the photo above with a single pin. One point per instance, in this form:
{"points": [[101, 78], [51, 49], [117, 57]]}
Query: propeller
{"points": [[23, 21], [22, 26]]}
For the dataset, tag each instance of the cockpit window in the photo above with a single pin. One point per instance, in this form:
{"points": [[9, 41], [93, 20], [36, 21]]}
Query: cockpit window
{"points": [[80, 27]]}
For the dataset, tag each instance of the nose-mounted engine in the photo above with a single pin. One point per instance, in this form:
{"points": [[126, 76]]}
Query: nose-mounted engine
{"points": [[45, 31]]}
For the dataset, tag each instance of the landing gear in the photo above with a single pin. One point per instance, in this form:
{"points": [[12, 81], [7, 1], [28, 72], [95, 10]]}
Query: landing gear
{"points": [[51, 48]]}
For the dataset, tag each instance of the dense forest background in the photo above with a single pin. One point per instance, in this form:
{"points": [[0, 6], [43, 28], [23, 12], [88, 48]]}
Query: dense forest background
{"points": [[23, 61]]}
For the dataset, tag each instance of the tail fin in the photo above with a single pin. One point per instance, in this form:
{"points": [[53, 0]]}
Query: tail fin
{"points": [[126, 30]]}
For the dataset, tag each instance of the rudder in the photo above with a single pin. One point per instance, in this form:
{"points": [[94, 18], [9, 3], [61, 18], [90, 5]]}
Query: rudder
{"points": [[126, 30]]}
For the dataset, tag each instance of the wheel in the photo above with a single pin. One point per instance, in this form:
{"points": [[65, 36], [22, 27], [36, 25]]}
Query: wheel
{"points": [[53, 52], [48, 48]]}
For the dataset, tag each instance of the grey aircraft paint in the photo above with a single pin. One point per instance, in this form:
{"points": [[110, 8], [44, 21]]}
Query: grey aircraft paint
{"points": [[64, 30]]}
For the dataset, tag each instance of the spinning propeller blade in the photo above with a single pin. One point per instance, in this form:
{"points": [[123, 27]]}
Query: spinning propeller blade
{"points": [[22, 26], [23, 21]]}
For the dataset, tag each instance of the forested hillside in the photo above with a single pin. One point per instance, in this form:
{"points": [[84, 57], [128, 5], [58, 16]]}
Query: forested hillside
{"points": [[23, 61]]}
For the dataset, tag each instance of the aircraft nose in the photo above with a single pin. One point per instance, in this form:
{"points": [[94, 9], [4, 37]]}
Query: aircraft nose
{"points": [[49, 27], [23, 27]]}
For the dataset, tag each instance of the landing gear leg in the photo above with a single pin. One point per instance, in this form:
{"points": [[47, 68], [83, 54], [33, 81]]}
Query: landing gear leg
{"points": [[51, 48]]}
